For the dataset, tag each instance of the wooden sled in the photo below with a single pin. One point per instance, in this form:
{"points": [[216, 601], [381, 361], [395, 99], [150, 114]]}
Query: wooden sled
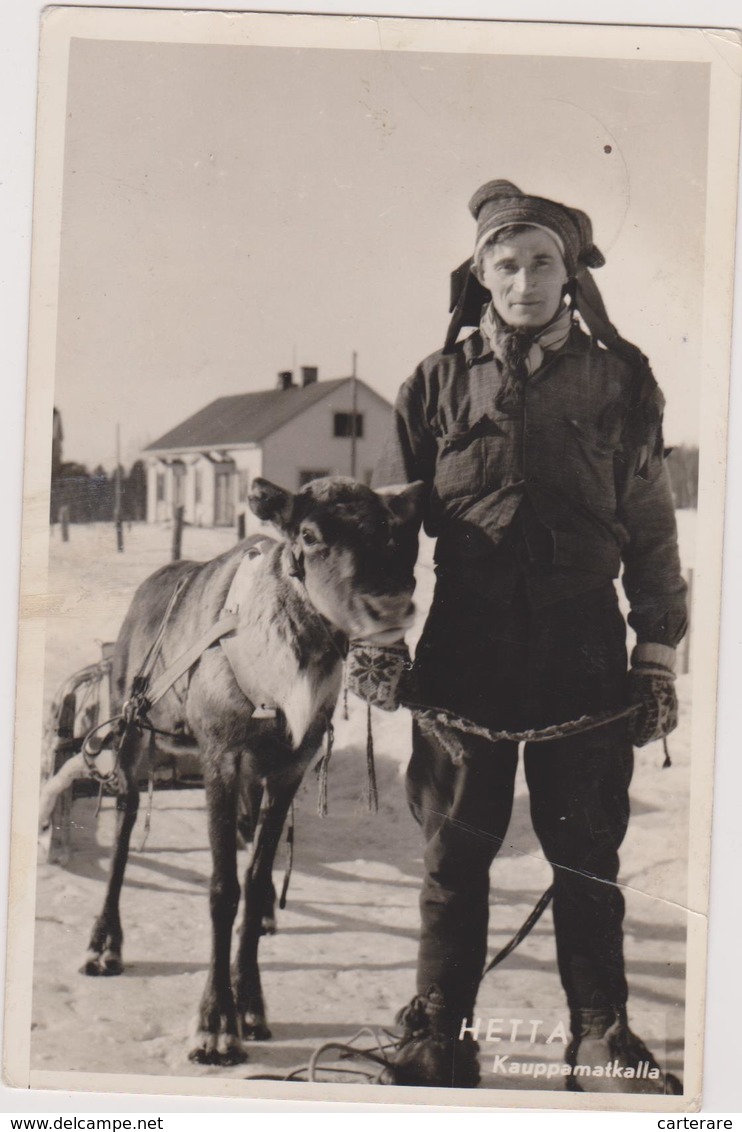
{"points": [[81, 704]]}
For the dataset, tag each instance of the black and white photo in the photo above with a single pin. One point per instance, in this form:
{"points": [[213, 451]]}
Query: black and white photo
{"points": [[373, 531]]}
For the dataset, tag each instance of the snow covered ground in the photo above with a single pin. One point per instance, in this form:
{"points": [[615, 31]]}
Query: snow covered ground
{"points": [[344, 955]]}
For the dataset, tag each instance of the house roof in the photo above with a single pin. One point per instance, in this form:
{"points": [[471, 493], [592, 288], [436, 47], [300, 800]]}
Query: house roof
{"points": [[246, 418]]}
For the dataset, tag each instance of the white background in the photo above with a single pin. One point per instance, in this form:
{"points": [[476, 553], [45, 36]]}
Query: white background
{"points": [[19, 20]]}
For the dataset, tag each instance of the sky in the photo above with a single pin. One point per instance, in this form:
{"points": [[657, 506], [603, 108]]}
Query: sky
{"points": [[231, 211]]}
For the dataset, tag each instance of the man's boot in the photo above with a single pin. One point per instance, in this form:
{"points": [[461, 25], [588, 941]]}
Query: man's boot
{"points": [[430, 1051], [603, 1050]]}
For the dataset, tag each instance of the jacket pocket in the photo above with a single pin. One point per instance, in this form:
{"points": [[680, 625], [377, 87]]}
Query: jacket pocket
{"points": [[467, 459], [590, 437], [589, 453]]}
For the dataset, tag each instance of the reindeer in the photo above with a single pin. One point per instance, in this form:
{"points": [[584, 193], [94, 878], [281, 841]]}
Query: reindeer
{"points": [[337, 572]]}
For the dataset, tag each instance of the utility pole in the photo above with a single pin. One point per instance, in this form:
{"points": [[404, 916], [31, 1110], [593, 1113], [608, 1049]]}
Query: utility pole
{"points": [[353, 415], [117, 495]]}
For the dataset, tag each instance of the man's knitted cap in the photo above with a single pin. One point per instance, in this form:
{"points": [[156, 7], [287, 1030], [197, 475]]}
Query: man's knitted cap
{"points": [[500, 203]]}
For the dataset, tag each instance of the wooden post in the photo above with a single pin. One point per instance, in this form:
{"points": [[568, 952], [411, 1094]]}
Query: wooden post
{"points": [[117, 495], [240, 526], [177, 534], [64, 519]]}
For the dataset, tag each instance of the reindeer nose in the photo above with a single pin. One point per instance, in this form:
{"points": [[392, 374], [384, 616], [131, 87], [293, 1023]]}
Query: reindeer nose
{"points": [[381, 609]]}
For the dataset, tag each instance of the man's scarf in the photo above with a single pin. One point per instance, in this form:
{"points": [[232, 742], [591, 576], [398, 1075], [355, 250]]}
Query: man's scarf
{"points": [[521, 352]]}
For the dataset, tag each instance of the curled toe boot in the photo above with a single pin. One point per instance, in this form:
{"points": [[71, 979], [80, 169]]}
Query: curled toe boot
{"points": [[430, 1052], [606, 1057]]}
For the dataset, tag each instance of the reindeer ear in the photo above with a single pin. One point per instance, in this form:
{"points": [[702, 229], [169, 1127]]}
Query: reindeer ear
{"points": [[404, 501], [270, 502]]}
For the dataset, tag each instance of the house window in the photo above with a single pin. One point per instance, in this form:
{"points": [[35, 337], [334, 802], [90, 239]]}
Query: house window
{"points": [[197, 486], [343, 424], [309, 475], [160, 487], [243, 485]]}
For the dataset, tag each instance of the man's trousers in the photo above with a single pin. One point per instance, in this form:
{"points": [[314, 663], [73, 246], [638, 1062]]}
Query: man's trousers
{"points": [[517, 667]]}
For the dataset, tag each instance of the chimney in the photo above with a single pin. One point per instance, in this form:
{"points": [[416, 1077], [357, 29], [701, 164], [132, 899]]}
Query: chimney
{"points": [[285, 379], [308, 375]]}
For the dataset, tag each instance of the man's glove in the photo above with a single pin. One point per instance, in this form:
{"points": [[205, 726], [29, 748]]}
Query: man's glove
{"points": [[652, 688], [374, 672]]}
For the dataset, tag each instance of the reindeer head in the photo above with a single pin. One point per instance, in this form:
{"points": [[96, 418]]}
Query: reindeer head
{"points": [[351, 548]]}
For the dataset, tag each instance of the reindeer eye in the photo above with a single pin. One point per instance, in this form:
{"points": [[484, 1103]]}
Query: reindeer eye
{"points": [[309, 537]]}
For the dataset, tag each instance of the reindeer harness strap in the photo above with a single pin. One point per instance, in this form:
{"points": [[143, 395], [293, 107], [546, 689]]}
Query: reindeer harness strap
{"points": [[226, 624], [144, 695], [236, 597]]}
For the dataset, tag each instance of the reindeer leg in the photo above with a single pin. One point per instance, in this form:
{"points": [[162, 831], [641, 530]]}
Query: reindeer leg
{"points": [[104, 949], [251, 798], [258, 890], [217, 1041]]}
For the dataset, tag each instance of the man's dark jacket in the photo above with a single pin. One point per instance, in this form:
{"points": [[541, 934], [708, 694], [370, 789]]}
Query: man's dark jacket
{"points": [[578, 474]]}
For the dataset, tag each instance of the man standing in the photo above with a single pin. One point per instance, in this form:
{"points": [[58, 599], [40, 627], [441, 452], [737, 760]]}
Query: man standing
{"points": [[541, 450]]}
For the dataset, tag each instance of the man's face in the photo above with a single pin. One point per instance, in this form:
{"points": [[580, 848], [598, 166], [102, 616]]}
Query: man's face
{"points": [[525, 274]]}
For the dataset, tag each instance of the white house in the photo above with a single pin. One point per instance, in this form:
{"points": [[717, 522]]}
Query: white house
{"points": [[290, 434]]}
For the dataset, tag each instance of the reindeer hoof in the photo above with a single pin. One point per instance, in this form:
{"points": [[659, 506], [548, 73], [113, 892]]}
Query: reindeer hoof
{"points": [[268, 925], [254, 1028], [217, 1049], [109, 963]]}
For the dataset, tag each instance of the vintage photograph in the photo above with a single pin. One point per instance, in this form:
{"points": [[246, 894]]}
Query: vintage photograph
{"points": [[373, 527]]}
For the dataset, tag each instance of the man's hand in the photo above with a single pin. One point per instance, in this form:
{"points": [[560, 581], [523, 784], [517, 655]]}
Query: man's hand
{"points": [[375, 671], [652, 689]]}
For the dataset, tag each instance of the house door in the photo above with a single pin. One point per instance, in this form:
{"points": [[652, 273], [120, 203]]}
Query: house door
{"points": [[223, 499]]}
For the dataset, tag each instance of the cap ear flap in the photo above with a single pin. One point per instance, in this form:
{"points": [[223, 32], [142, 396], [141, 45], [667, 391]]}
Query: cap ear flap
{"points": [[271, 503], [468, 296], [404, 501]]}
